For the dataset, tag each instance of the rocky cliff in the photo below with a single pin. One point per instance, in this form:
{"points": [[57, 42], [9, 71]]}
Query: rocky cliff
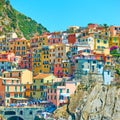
{"points": [[103, 103]]}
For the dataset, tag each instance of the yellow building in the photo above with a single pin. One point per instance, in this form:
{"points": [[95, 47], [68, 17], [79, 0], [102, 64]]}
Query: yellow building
{"points": [[36, 61], [57, 53], [114, 41], [40, 83], [18, 46], [2, 43], [66, 68], [38, 41], [40, 60], [45, 66], [101, 45], [43, 40]]}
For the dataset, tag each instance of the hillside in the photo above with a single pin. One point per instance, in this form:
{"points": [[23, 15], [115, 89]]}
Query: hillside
{"points": [[12, 20]]}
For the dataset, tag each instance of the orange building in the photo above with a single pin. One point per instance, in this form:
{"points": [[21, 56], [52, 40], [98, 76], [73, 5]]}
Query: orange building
{"points": [[15, 83], [18, 46]]}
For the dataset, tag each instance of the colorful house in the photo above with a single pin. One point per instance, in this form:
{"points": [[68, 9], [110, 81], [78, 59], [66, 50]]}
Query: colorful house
{"points": [[38, 41], [14, 83], [60, 90], [40, 83], [66, 68], [54, 38], [45, 66], [36, 61], [26, 61], [71, 38], [114, 41], [114, 30], [5, 65]]}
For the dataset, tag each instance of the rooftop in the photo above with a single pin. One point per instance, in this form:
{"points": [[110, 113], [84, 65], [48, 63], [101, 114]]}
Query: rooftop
{"points": [[41, 76]]}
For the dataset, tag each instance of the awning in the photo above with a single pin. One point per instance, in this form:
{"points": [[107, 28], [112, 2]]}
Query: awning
{"points": [[19, 98]]}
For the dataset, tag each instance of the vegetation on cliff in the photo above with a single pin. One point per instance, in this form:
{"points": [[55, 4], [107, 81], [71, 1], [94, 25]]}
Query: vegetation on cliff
{"points": [[12, 20]]}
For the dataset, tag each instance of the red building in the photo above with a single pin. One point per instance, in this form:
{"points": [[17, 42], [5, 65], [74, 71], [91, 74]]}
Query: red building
{"points": [[58, 70], [71, 38]]}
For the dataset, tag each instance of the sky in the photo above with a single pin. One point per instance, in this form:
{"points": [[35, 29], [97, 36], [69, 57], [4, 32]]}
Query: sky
{"points": [[58, 15]]}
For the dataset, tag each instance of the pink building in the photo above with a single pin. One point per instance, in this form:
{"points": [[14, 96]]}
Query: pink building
{"points": [[8, 56], [60, 91], [55, 38], [26, 61], [114, 30]]}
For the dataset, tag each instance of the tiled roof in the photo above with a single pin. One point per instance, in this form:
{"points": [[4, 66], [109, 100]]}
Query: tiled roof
{"points": [[41, 76]]}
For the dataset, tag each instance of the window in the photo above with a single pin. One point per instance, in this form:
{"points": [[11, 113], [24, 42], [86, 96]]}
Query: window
{"points": [[51, 97], [12, 81], [30, 112], [98, 47], [4, 81], [76, 61], [55, 97], [31, 87], [68, 91], [10, 74], [34, 87], [41, 80], [99, 66], [15, 88], [108, 58], [33, 81], [20, 95], [94, 61], [7, 94], [21, 112], [55, 91], [7, 88], [82, 66], [105, 41], [115, 39], [7, 101], [60, 90], [60, 97], [19, 74], [20, 88], [98, 41], [115, 28], [15, 95]]}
